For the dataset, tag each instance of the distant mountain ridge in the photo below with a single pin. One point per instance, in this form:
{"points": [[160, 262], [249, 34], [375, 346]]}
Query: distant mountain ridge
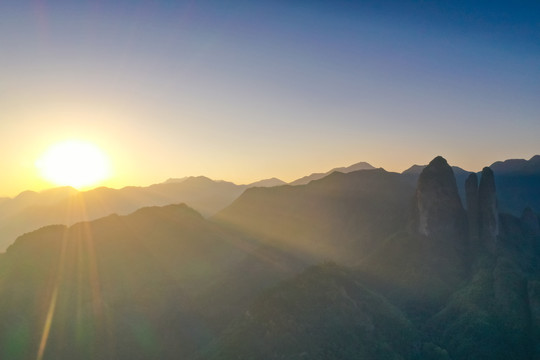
{"points": [[260, 183], [517, 166], [357, 208], [267, 183], [516, 181], [31, 210], [417, 169], [518, 184], [316, 176]]}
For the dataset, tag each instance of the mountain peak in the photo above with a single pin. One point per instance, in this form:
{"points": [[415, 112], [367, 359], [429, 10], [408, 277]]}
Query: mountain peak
{"points": [[354, 167], [439, 209], [316, 176], [534, 162], [414, 169], [175, 180], [517, 166], [439, 161], [267, 183], [489, 218]]}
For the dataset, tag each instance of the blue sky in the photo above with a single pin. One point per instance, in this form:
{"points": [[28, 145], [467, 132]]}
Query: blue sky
{"points": [[248, 90]]}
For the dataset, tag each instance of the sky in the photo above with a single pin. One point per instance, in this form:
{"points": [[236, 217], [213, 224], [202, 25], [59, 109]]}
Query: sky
{"points": [[246, 90]]}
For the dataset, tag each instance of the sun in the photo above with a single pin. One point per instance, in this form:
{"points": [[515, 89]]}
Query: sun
{"points": [[74, 163]]}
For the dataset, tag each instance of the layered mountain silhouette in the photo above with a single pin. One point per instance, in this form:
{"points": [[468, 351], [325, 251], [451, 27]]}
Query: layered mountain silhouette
{"points": [[340, 217], [517, 184], [316, 176], [517, 166], [31, 210], [464, 279], [155, 284], [365, 264], [267, 183], [261, 183]]}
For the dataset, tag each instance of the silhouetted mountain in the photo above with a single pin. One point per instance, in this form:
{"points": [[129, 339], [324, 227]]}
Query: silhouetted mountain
{"points": [[414, 169], [261, 183], [31, 210], [487, 312], [420, 295], [419, 267], [531, 166], [316, 176], [159, 283], [461, 175], [517, 184], [516, 180], [439, 214], [30, 198], [267, 183], [417, 169], [488, 211], [176, 180], [340, 217]]}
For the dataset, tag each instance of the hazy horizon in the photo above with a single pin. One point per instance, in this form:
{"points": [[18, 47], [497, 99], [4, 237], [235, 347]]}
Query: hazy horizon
{"points": [[286, 180]]}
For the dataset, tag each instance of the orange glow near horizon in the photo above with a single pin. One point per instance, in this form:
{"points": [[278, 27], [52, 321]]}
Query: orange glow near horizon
{"points": [[74, 163]]}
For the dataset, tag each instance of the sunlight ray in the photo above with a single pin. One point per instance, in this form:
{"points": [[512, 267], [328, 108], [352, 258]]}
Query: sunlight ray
{"points": [[47, 326], [53, 301]]}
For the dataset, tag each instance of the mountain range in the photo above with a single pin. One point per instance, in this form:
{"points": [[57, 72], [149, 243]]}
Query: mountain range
{"points": [[326, 218], [516, 183], [367, 264], [516, 180], [316, 176], [138, 286], [453, 282], [31, 210]]}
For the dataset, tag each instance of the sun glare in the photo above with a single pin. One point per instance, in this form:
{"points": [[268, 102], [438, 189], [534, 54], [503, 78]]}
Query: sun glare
{"points": [[74, 163]]}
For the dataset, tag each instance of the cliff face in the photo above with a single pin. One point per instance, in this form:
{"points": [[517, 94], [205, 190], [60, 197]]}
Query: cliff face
{"points": [[440, 215], [482, 211], [488, 214], [433, 253]]}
